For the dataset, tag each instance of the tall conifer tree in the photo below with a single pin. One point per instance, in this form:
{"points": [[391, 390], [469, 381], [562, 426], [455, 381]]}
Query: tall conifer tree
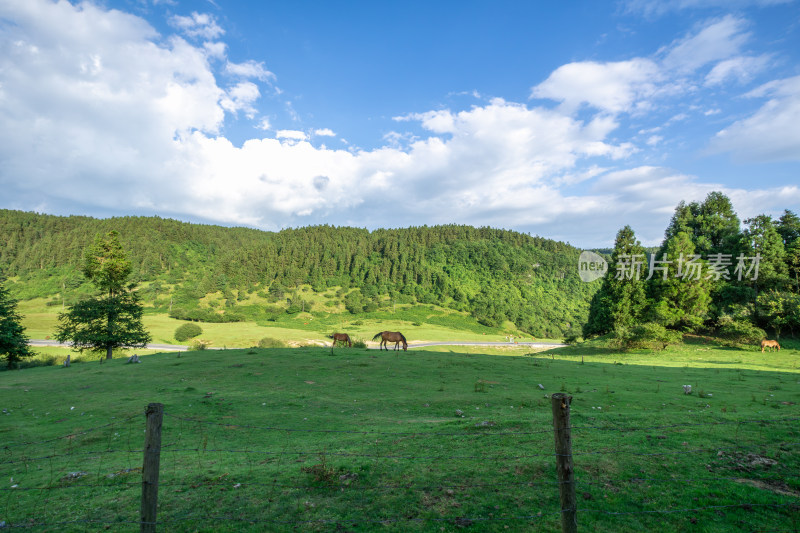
{"points": [[621, 300], [13, 341]]}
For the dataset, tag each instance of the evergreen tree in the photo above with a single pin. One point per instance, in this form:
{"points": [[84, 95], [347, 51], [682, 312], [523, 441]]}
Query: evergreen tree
{"points": [[682, 297], [114, 318], [788, 227], [683, 220], [761, 237], [716, 226], [621, 300], [793, 264], [13, 341]]}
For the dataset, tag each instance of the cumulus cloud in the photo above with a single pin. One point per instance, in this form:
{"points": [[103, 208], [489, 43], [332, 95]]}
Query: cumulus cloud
{"points": [[615, 87], [200, 25], [117, 118], [90, 97], [771, 133], [635, 86], [241, 97]]}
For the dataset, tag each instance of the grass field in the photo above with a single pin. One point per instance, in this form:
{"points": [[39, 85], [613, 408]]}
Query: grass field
{"points": [[440, 439], [420, 322]]}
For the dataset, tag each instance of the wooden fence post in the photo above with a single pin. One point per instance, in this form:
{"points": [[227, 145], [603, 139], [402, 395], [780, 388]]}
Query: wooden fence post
{"points": [[152, 458], [564, 467]]}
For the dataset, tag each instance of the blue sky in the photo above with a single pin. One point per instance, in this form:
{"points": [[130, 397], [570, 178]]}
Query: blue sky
{"points": [[565, 120]]}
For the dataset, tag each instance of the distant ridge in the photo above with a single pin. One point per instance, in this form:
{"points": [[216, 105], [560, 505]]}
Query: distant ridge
{"points": [[494, 274]]}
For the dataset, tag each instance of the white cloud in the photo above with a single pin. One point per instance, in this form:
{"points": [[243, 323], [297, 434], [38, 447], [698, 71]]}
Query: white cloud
{"points": [[772, 132], [622, 86], [740, 69], [200, 25], [324, 132], [215, 50], [660, 7], [241, 97], [635, 86], [291, 134], [250, 69], [718, 40]]}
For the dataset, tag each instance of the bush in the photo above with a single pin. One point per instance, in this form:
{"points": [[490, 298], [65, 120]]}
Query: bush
{"points": [[269, 342], [205, 315], [199, 344], [648, 335], [573, 335], [187, 331], [738, 332], [359, 343]]}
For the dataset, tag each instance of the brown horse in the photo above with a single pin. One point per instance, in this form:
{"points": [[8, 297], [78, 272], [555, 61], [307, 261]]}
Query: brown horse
{"points": [[766, 343], [391, 336], [341, 337]]}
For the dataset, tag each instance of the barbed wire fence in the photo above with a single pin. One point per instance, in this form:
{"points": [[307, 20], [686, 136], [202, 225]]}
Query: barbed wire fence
{"points": [[175, 472]]}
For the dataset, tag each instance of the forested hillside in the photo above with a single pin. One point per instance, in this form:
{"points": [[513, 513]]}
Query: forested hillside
{"points": [[495, 275], [709, 275]]}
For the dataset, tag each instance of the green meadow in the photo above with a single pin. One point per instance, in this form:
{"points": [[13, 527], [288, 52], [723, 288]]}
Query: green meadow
{"points": [[441, 439], [417, 322]]}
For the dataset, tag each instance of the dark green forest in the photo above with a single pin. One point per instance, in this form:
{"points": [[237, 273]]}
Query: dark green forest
{"points": [[494, 275], [711, 274]]}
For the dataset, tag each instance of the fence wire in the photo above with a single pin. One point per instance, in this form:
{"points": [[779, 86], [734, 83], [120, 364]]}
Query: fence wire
{"points": [[284, 477]]}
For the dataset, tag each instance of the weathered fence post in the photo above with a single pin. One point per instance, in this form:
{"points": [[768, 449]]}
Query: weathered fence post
{"points": [[152, 458], [564, 467]]}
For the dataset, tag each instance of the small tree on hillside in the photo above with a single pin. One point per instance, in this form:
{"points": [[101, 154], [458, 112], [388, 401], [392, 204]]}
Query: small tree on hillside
{"points": [[114, 318], [13, 341]]}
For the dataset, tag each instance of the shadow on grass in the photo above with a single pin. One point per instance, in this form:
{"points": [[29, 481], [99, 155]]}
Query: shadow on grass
{"points": [[574, 351]]}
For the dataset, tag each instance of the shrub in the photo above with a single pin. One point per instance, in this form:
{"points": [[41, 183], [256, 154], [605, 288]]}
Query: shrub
{"points": [[648, 335], [358, 343], [737, 332], [205, 315], [573, 335], [269, 342], [199, 344], [187, 331]]}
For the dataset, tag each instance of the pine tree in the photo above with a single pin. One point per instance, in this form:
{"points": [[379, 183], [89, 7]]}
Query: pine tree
{"points": [[717, 227], [789, 227], [13, 341], [761, 237], [114, 318], [682, 297], [621, 300]]}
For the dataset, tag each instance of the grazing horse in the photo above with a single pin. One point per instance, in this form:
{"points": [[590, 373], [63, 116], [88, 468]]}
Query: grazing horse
{"points": [[341, 337], [391, 336], [766, 343]]}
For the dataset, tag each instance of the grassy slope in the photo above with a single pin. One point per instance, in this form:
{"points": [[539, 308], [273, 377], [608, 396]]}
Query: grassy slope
{"points": [[435, 324], [370, 436]]}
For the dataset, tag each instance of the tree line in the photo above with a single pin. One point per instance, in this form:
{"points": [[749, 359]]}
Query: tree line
{"points": [[710, 274], [495, 275]]}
